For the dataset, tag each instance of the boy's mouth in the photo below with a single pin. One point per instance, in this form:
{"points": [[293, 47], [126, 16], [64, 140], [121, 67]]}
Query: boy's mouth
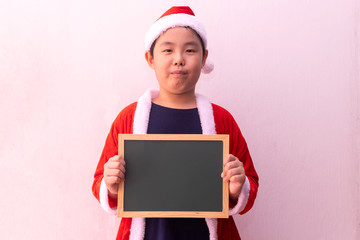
{"points": [[178, 73]]}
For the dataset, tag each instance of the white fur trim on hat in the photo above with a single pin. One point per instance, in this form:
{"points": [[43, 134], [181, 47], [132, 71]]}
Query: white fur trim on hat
{"points": [[171, 21]]}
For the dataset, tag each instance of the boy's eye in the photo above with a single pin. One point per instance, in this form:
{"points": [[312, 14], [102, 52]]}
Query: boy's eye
{"points": [[167, 50], [190, 50]]}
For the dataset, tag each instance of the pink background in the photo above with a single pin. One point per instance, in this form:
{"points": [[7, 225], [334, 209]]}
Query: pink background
{"points": [[287, 70]]}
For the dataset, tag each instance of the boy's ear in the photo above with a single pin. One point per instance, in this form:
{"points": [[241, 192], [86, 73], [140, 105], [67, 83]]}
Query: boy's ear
{"points": [[205, 57], [149, 59]]}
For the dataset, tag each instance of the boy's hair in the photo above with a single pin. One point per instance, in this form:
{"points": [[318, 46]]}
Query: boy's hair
{"points": [[189, 28]]}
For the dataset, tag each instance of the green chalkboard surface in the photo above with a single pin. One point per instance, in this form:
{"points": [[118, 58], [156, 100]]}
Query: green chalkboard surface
{"points": [[173, 176]]}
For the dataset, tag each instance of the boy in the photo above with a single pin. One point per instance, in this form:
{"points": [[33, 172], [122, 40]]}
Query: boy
{"points": [[176, 50]]}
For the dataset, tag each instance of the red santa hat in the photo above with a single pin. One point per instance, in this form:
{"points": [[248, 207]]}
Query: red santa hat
{"points": [[181, 16]]}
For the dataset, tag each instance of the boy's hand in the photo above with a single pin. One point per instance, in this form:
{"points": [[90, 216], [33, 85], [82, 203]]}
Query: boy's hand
{"points": [[114, 172], [234, 172]]}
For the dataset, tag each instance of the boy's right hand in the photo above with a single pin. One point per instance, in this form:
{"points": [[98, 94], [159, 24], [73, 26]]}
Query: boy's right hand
{"points": [[114, 172]]}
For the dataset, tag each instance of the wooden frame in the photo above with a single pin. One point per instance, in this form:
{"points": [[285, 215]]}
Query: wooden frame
{"points": [[223, 213]]}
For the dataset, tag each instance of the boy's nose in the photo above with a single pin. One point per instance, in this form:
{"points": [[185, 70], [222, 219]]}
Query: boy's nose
{"points": [[179, 60]]}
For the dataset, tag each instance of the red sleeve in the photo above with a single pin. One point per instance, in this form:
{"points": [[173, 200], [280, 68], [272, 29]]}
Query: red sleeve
{"points": [[226, 124], [122, 124]]}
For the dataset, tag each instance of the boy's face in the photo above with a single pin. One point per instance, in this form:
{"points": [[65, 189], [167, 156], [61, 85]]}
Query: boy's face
{"points": [[177, 60]]}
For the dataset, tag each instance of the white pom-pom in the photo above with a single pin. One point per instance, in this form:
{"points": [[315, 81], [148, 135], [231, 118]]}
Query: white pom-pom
{"points": [[208, 67]]}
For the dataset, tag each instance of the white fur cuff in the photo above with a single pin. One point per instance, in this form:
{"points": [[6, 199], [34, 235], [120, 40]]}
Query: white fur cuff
{"points": [[242, 200], [104, 199]]}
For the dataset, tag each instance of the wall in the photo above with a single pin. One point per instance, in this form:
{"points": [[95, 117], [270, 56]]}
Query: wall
{"points": [[287, 70]]}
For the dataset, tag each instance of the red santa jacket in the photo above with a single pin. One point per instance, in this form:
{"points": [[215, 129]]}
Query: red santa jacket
{"points": [[214, 120]]}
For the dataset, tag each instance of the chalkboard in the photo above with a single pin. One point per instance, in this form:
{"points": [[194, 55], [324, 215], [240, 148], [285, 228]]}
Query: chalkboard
{"points": [[173, 175]]}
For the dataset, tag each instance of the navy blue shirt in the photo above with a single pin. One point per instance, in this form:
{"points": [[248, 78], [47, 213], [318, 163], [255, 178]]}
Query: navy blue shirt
{"points": [[165, 120]]}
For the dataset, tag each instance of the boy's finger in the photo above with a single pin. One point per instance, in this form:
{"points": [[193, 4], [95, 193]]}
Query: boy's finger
{"points": [[230, 165], [116, 178], [226, 175], [115, 172], [116, 164], [112, 180], [234, 164], [227, 159], [227, 165], [113, 165], [122, 162], [237, 178], [115, 158], [122, 168]]}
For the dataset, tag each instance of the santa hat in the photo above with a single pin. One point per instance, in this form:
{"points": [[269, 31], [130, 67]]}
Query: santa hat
{"points": [[177, 17]]}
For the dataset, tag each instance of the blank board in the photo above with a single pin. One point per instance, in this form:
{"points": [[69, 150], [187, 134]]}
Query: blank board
{"points": [[172, 175]]}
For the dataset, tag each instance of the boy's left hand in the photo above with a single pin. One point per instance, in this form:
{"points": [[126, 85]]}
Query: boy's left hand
{"points": [[233, 172]]}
